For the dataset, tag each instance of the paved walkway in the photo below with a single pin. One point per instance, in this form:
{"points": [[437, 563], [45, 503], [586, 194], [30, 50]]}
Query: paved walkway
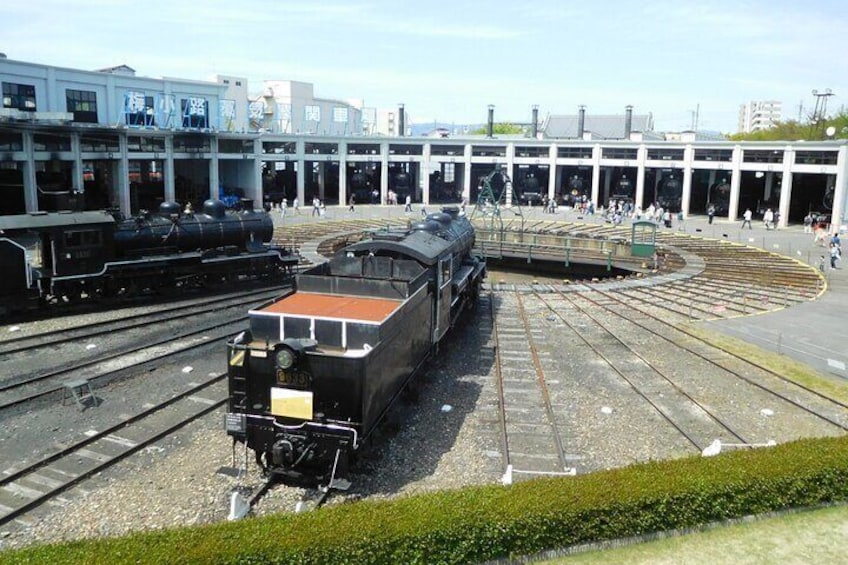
{"points": [[815, 333]]}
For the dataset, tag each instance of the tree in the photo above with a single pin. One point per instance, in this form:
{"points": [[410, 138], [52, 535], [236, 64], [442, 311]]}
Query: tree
{"points": [[501, 128], [792, 130]]}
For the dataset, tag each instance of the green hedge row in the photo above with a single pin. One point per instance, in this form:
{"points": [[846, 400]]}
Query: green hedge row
{"points": [[485, 523]]}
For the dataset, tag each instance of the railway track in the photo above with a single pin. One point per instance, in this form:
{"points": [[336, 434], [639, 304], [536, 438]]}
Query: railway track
{"points": [[708, 381], [806, 399], [27, 486], [577, 373], [170, 313], [532, 440], [104, 367]]}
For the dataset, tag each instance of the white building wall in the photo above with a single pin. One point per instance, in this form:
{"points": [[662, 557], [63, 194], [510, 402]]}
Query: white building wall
{"points": [[759, 115]]}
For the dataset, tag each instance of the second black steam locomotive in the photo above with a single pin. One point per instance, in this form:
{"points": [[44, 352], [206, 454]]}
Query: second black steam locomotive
{"points": [[319, 368], [64, 256]]}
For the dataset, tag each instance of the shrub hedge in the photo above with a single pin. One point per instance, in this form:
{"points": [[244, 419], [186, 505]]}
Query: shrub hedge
{"points": [[484, 523]]}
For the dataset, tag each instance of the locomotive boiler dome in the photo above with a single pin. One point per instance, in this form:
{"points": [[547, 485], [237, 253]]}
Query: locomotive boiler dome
{"points": [[440, 217], [428, 225], [531, 183], [214, 208], [168, 209]]}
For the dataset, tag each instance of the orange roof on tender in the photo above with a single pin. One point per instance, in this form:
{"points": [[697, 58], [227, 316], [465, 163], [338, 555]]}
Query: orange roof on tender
{"points": [[334, 306]]}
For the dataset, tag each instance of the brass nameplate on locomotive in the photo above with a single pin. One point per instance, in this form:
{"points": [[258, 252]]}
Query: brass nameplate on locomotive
{"points": [[291, 403], [289, 377]]}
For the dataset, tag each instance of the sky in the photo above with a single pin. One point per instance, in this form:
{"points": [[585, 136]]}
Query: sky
{"points": [[446, 61]]}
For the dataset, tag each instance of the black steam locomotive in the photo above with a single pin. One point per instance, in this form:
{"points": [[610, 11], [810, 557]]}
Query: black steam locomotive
{"points": [[578, 190], [719, 197], [363, 189], [319, 368], [624, 190], [400, 182], [531, 190], [64, 256], [669, 193]]}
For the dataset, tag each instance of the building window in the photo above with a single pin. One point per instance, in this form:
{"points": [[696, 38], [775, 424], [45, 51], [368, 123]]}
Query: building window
{"points": [[714, 155], [762, 156], [19, 96], [618, 153], [569, 152], [665, 154], [83, 105], [195, 111], [238, 83], [139, 109], [227, 81], [815, 157]]}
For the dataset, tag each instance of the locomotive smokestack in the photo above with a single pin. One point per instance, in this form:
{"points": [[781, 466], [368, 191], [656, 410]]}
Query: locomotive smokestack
{"points": [[490, 129], [535, 126], [401, 124], [581, 120], [628, 120]]}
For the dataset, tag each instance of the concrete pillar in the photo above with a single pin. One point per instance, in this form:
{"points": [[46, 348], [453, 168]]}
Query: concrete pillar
{"points": [[786, 187], [466, 174], [30, 183], [124, 171], [735, 183], [686, 196], [300, 149], [258, 190], [553, 172], [343, 196], [77, 181], [641, 159], [384, 171], [424, 170], [510, 158], [596, 173], [212, 189], [168, 173], [838, 212]]}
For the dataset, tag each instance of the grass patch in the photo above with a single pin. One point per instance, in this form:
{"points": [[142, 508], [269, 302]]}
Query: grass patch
{"points": [[809, 536]]}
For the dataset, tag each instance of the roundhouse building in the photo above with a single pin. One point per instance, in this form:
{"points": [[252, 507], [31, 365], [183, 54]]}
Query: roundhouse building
{"points": [[93, 139]]}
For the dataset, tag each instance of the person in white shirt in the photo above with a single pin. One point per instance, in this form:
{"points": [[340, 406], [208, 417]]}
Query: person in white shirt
{"points": [[746, 218], [768, 218]]}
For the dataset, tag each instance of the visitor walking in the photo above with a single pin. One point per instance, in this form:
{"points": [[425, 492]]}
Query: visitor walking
{"points": [[746, 219]]}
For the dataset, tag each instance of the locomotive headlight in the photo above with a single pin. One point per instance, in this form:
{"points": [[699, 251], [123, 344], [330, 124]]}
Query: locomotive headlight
{"points": [[285, 358]]}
